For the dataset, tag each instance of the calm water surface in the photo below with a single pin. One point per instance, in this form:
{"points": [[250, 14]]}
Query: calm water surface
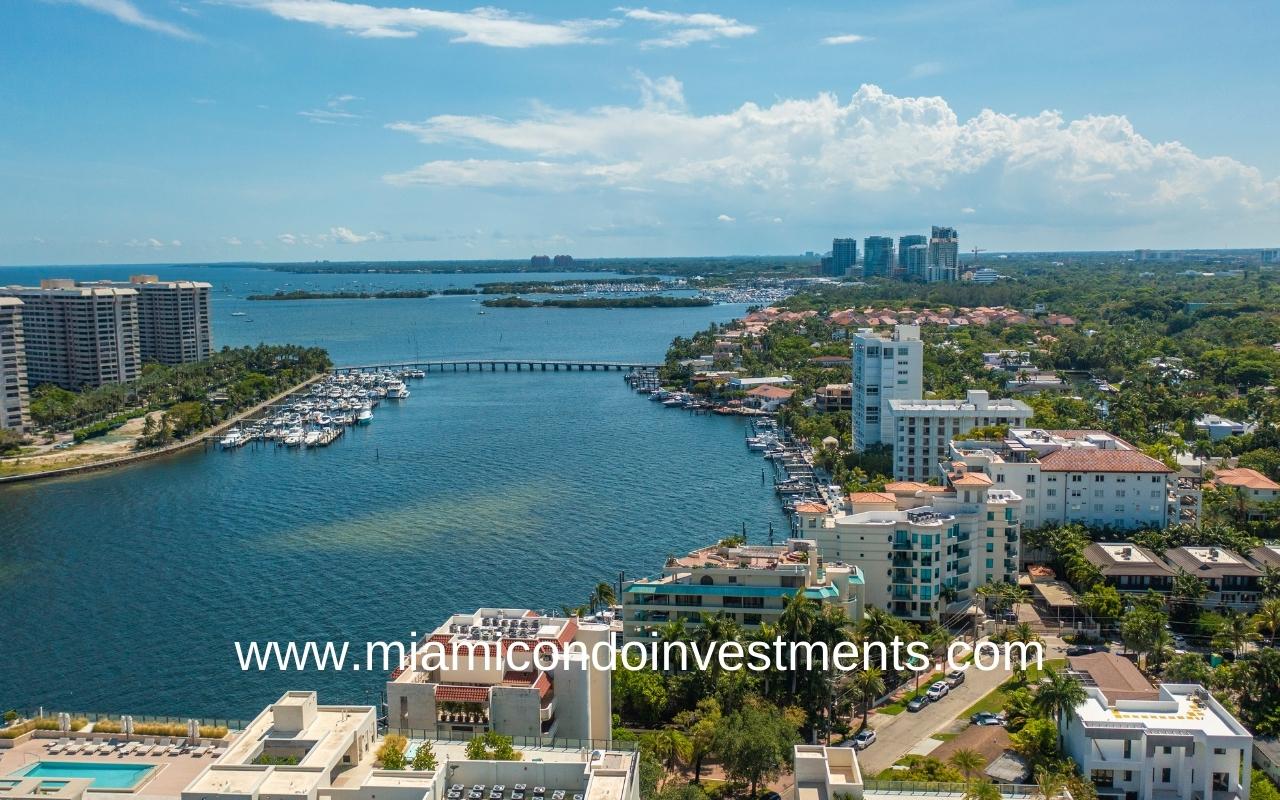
{"points": [[124, 591]]}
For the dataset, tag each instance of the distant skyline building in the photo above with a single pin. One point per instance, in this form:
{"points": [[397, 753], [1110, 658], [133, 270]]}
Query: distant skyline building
{"points": [[877, 257], [844, 256], [13, 367], [79, 336], [908, 268], [173, 318], [944, 255], [885, 368]]}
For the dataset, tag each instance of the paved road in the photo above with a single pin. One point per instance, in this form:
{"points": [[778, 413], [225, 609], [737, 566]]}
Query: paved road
{"points": [[897, 734]]}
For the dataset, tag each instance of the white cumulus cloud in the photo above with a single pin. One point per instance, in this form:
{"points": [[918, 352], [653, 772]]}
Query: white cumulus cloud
{"points": [[724, 218], [901, 153]]}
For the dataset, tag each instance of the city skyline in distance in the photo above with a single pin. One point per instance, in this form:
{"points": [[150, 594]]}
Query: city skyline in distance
{"points": [[151, 132]]}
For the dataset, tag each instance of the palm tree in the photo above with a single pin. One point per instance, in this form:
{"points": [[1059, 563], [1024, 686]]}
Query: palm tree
{"points": [[796, 624], [603, 596], [982, 790], [1234, 633], [1058, 695], [1268, 619], [1049, 782], [670, 746], [1188, 589], [968, 761], [1270, 581], [867, 686]]}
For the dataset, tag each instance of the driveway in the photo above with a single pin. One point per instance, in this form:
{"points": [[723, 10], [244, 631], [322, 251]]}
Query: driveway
{"points": [[897, 734]]}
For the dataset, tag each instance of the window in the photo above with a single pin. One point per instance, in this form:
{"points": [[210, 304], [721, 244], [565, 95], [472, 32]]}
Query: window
{"points": [[1166, 774]]}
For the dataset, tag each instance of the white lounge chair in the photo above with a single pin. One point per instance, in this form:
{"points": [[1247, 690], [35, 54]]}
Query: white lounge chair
{"points": [[162, 747], [126, 749], [151, 746], [219, 751], [200, 750], [74, 747], [58, 746], [179, 745]]}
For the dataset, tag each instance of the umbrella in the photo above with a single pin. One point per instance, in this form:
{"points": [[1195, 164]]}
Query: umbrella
{"points": [[64, 722], [127, 725], [193, 729]]}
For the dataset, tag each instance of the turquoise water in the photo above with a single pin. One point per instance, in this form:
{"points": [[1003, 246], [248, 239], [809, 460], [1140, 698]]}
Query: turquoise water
{"points": [[125, 590], [104, 776]]}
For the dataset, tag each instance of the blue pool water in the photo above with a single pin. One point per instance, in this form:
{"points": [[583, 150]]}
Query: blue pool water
{"points": [[104, 776]]}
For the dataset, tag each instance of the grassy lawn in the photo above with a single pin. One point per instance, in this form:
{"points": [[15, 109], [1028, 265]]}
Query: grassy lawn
{"points": [[995, 700], [945, 737]]}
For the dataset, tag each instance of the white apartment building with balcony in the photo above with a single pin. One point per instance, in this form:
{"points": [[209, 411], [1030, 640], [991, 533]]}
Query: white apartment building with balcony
{"points": [[885, 368], [335, 753], [750, 583], [173, 319], [13, 367], [924, 550], [79, 336], [923, 429], [1086, 477], [566, 700], [1172, 742]]}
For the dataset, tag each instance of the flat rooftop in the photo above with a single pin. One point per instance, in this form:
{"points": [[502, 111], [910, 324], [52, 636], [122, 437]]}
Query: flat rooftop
{"points": [[1179, 707]]}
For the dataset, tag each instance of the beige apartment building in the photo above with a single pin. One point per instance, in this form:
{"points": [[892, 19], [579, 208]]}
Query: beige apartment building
{"points": [[79, 336], [13, 367], [173, 319], [924, 550]]}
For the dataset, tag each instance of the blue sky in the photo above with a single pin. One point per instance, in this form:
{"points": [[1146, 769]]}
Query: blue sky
{"points": [[139, 131]]}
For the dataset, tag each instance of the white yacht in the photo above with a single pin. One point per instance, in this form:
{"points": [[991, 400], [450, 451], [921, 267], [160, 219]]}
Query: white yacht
{"points": [[234, 438], [365, 415], [396, 390]]}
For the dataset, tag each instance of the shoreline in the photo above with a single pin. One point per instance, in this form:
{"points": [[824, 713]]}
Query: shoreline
{"points": [[175, 447]]}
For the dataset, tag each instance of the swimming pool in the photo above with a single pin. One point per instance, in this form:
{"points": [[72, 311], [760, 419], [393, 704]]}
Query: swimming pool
{"points": [[105, 777]]}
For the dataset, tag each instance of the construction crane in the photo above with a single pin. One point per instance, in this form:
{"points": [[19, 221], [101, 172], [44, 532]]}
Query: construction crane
{"points": [[975, 252]]}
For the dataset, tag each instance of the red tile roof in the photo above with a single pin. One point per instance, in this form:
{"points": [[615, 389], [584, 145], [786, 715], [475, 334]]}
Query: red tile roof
{"points": [[811, 508], [462, 694], [873, 497], [1080, 459], [770, 392], [1245, 477]]}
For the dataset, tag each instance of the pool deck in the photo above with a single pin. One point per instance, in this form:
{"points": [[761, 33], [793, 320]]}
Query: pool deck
{"points": [[168, 782]]}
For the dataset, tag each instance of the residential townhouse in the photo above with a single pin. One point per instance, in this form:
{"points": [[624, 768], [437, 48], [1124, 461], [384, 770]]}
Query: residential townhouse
{"points": [[1130, 568], [1230, 580]]}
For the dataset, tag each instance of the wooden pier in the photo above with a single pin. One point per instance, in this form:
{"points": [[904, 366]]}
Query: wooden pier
{"points": [[506, 365]]}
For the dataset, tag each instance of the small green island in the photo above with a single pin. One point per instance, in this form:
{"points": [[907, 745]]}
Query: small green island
{"points": [[647, 301], [395, 294]]}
